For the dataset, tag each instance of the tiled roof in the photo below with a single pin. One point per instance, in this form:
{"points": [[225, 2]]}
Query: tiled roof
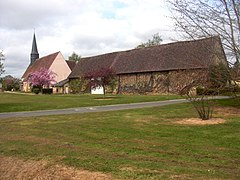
{"points": [[195, 54], [44, 62], [61, 83], [71, 64]]}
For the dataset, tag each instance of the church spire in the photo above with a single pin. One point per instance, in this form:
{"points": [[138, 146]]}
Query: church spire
{"points": [[34, 53]]}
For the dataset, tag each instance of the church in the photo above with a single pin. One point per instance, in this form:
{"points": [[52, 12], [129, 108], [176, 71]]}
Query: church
{"points": [[54, 62]]}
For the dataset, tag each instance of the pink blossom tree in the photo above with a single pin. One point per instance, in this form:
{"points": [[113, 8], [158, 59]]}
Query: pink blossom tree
{"points": [[103, 77], [42, 77]]}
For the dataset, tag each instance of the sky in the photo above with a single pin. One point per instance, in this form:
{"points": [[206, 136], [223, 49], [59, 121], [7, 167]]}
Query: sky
{"points": [[86, 27]]}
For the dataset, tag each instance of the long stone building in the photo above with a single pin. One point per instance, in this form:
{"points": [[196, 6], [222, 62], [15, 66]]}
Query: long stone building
{"points": [[163, 68]]}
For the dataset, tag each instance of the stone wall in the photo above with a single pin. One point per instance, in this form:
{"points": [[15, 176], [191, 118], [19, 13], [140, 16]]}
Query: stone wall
{"points": [[151, 83], [157, 82]]}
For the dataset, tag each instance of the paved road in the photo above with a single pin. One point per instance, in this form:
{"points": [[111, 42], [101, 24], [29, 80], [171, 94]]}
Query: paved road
{"points": [[90, 109], [94, 108]]}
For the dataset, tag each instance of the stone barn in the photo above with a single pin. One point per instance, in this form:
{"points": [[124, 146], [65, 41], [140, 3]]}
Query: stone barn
{"points": [[159, 69]]}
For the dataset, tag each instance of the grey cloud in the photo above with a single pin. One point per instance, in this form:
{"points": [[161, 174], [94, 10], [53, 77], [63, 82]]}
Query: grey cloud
{"points": [[16, 64], [94, 45], [32, 14], [67, 26]]}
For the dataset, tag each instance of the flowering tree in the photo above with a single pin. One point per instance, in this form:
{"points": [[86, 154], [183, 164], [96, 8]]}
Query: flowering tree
{"points": [[103, 77], [43, 77]]}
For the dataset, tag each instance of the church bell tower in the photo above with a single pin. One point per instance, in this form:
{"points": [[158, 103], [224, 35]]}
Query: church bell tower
{"points": [[34, 53]]}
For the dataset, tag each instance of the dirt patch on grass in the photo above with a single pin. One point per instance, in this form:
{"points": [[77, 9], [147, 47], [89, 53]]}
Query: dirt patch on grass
{"points": [[146, 119], [141, 170], [218, 111], [227, 111], [198, 121], [15, 168], [103, 99]]}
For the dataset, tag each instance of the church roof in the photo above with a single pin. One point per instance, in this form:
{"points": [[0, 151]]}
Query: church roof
{"points": [[71, 64], [61, 83], [34, 54], [196, 54], [44, 62], [34, 45]]}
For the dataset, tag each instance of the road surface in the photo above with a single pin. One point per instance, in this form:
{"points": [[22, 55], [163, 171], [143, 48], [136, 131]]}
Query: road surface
{"points": [[115, 107], [90, 109]]}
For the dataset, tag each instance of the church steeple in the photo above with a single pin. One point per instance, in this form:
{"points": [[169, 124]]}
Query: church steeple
{"points": [[34, 53]]}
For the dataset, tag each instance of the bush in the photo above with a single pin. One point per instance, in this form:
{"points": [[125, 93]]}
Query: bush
{"points": [[204, 91], [36, 90], [47, 91], [76, 85], [221, 91]]}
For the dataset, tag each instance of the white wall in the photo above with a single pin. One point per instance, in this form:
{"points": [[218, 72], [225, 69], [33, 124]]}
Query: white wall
{"points": [[98, 90]]}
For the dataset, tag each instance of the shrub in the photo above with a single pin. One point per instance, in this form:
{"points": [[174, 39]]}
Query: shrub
{"points": [[203, 91], [47, 91], [76, 85], [36, 90]]}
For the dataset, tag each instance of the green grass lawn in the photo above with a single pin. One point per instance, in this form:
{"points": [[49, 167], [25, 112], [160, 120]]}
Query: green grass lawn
{"points": [[130, 144], [26, 102]]}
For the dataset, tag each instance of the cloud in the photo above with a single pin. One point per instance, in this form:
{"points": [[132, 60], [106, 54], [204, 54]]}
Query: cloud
{"points": [[88, 27]]}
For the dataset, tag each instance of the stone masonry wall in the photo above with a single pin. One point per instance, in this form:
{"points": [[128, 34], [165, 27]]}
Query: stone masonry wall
{"points": [[157, 82]]}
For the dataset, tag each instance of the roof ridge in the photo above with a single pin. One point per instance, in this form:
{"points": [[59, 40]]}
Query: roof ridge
{"points": [[195, 54], [49, 55], [160, 45], [115, 60], [179, 42]]}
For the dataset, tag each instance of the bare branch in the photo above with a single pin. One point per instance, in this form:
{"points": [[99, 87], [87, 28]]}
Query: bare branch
{"points": [[204, 18]]}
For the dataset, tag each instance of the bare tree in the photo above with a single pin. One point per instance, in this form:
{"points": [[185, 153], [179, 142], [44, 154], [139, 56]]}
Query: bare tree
{"points": [[201, 90], [201, 102], [204, 18]]}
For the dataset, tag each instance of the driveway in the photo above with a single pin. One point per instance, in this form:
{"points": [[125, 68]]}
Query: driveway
{"points": [[95, 108]]}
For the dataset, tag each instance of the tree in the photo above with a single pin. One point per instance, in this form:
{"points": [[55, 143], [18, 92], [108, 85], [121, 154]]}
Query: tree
{"points": [[235, 73], [74, 57], [201, 103], [206, 84], [42, 77], [76, 85], [101, 78], [1, 64], [219, 76], [11, 83], [204, 18], [156, 40], [235, 88]]}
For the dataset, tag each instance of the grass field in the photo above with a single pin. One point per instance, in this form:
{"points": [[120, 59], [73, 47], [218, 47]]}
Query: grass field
{"points": [[131, 144], [26, 102]]}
